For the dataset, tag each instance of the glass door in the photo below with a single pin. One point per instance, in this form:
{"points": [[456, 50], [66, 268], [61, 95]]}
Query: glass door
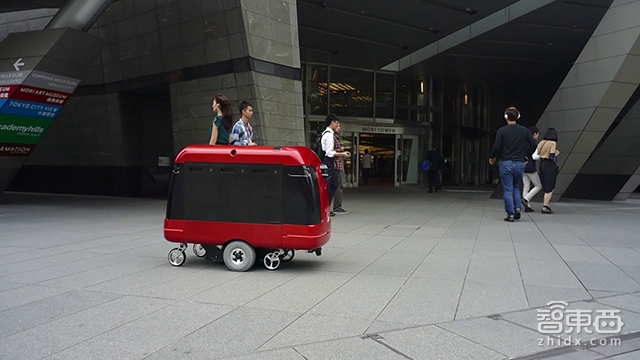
{"points": [[351, 141], [410, 159], [407, 160], [397, 175]]}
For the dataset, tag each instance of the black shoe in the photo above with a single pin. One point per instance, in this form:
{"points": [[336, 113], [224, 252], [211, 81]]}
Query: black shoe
{"points": [[332, 213], [509, 219], [527, 207], [517, 216], [546, 210]]}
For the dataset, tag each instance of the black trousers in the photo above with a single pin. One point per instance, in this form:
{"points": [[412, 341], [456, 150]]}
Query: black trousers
{"points": [[333, 180], [366, 175], [433, 180]]}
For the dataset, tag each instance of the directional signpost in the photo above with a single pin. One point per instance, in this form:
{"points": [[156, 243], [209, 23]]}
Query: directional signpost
{"points": [[29, 102], [39, 71], [28, 93], [12, 129], [18, 64], [27, 99]]}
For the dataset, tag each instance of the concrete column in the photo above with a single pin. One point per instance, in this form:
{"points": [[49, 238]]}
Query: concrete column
{"points": [[630, 187], [615, 164], [258, 43], [271, 29], [597, 88]]}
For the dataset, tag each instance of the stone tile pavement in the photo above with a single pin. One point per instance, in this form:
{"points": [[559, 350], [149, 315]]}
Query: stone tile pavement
{"points": [[407, 275]]}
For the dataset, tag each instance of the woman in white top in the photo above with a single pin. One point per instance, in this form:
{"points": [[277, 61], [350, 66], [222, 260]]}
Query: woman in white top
{"points": [[547, 152]]}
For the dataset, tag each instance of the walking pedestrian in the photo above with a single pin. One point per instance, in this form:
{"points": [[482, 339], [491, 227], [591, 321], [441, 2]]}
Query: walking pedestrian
{"points": [[531, 180], [367, 160], [328, 148], [338, 162], [547, 151], [509, 148], [436, 161]]}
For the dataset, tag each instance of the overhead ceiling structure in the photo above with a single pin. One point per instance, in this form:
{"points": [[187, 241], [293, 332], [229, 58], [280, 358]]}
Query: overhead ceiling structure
{"points": [[370, 34], [543, 42], [19, 5]]}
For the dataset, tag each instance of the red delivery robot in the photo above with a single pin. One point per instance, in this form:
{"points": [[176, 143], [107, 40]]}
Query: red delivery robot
{"points": [[240, 204]]}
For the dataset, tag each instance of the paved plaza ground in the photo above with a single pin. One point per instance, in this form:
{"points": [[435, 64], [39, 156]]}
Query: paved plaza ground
{"points": [[406, 275]]}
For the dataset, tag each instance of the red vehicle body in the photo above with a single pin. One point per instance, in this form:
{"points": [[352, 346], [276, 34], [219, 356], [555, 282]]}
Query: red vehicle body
{"points": [[270, 199]]}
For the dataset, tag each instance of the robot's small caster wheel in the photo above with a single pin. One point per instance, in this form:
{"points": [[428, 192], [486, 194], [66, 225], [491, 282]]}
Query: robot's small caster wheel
{"points": [[177, 257], [272, 260], [198, 250], [287, 255], [239, 256]]}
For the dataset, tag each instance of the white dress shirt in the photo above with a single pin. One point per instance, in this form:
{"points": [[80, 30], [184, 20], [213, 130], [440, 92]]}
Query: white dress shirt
{"points": [[366, 161], [327, 143]]}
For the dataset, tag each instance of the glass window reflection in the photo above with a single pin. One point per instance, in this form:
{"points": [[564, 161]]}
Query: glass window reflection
{"points": [[316, 89], [407, 88], [351, 92], [315, 129], [384, 95]]}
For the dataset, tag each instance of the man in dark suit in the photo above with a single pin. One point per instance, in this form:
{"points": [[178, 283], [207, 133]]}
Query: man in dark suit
{"points": [[437, 161]]}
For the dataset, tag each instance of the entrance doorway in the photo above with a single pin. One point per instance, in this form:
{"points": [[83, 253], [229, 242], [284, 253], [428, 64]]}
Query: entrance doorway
{"points": [[382, 148], [395, 159], [396, 155]]}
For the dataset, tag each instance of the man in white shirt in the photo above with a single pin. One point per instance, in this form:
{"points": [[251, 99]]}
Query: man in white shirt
{"points": [[328, 147], [366, 167]]}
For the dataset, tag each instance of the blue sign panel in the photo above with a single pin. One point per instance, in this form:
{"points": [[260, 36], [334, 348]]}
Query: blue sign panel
{"points": [[2, 101], [27, 108]]}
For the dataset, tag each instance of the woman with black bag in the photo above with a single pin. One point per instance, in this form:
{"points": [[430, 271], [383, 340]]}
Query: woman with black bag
{"points": [[547, 153]]}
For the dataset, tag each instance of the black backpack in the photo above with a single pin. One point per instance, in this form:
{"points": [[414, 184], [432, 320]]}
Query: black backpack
{"points": [[317, 146]]}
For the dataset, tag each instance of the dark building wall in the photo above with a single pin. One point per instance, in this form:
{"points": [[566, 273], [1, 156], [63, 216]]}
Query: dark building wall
{"points": [[532, 98], [597, 88], [590, 98], [498, 104], [105, 145], [108, 138]]}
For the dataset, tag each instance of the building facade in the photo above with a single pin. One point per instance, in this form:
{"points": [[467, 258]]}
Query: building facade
{"points": [[403, 79]]}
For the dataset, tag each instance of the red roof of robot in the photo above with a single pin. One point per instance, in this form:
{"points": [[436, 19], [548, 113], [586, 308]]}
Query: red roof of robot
{"points": [[285, 155]]}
